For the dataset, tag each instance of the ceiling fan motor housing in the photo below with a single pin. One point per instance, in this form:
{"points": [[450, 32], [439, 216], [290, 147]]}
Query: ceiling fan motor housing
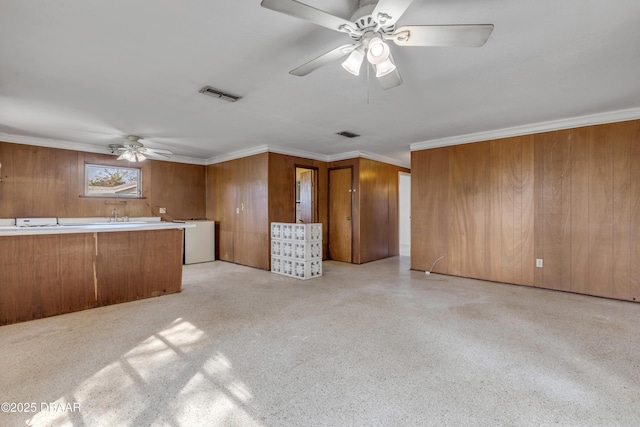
{"points": [[366, 24]]}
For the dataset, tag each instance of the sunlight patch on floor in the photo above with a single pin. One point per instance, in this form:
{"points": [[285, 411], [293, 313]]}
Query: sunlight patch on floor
{"points": [[190, 383]]}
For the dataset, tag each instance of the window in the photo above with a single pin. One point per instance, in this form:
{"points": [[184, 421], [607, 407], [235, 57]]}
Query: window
{"points": [[112, 181]]}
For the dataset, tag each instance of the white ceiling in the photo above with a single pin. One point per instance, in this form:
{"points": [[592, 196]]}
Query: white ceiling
{"points": [[84, 73]]}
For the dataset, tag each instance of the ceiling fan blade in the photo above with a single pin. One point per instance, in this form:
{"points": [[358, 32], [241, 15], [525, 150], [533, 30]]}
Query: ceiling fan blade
{"points": [[303, 11], [390, 80], [154, 155], [324, 59], [393, 9], [442, 35], [158, 151]]}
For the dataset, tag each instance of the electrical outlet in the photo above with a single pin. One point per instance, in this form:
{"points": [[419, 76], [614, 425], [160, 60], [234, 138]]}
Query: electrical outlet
{"points": [[539, 263], [163, 210]]}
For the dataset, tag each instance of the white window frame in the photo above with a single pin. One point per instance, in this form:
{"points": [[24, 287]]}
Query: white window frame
{"points": [[135, 194]]}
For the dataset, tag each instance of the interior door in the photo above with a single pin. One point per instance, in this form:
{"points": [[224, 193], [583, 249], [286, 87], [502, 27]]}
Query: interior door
{"points": [[340, 211], [306, 197]]}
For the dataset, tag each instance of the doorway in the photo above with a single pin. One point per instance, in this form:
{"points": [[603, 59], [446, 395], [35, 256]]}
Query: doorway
{"points": [[306, 195], [340, 214], [404, 213]]}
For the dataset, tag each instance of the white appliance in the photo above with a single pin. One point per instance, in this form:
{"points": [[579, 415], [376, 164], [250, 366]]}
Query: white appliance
{"points": [[199, 242], [36, 222]]}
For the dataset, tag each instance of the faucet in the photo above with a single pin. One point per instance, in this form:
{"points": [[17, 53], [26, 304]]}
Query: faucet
{"points": [[114, 212]]}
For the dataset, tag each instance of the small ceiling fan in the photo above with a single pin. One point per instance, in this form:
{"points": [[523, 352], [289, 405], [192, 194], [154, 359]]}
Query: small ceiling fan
{"points": [[370, 27], [134, 151]]}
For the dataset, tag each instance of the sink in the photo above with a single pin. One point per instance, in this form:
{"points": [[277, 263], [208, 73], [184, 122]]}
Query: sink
{"points": [[105, 221], [112, 224], [84, 224]]}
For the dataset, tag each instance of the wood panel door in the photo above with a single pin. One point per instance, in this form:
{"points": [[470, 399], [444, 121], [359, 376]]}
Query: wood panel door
{"points": [[307, 197], [251, 233], [340, 214]]}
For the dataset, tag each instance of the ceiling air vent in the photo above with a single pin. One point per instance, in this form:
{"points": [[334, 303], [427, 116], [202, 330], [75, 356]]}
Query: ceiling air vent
{"points": [[208, 90], [347, 134]]}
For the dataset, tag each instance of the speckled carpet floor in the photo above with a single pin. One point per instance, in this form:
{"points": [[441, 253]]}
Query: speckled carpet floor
{"points": [[369, 345]]}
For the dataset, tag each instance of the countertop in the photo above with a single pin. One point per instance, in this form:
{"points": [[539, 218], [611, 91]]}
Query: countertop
{"points": [[104, 227]]}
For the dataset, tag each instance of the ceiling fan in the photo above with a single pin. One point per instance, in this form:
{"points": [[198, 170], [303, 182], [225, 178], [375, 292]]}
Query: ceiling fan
{"points": [[134, 151], [370, 27]]}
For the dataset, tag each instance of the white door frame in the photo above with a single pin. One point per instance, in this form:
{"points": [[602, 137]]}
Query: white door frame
{"points": [[404, 213]]}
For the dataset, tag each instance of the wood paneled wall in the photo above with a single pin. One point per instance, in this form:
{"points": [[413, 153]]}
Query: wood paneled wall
{"points": [[49, 182], [378, 203], [430, 209], [179, 187], [237, 198], [473, 204], [282, 191], [570, 198], [265, 183], [588, 210], [375, 208]]}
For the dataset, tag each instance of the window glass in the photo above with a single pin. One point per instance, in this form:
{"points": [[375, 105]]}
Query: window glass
{"points": [[112, 181]]}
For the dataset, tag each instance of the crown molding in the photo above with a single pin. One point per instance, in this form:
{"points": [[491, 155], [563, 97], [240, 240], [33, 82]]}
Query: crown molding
{"points": [[298, 153], [384, 159], [266, 149], [573, 122], [184, 159], [343, 156], [52, 143], [87, 148], [303, 154], [238, 154], [90, 148], [366, 155]]}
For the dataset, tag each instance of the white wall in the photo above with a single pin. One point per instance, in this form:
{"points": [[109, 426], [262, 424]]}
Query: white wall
{"points": [[404, 214]]}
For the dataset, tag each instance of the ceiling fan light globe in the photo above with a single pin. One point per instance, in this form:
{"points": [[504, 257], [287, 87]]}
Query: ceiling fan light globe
{"points": [[128, 155], [140, 157], [354, 62], [378, 51], [385, 68]]}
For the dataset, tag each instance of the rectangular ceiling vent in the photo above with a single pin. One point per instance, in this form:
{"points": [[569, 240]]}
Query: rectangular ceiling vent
{"points": [[208, 90], [348, 134]]}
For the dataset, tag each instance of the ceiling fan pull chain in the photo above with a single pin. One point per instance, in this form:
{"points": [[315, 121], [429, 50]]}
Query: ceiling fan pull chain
{"points": [[368, 82]]}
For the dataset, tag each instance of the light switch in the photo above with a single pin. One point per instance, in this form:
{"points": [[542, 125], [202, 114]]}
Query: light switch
{"points": [[539, 263]]}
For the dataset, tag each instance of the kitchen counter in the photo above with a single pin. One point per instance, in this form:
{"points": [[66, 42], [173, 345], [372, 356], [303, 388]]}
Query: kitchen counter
{"points": [[106, 227], [51, 270]]}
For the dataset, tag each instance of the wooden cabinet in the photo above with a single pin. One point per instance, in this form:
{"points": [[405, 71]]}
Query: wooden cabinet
{"points": [[137, 264], [45, 275], [50, 274], [238, 198]]}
